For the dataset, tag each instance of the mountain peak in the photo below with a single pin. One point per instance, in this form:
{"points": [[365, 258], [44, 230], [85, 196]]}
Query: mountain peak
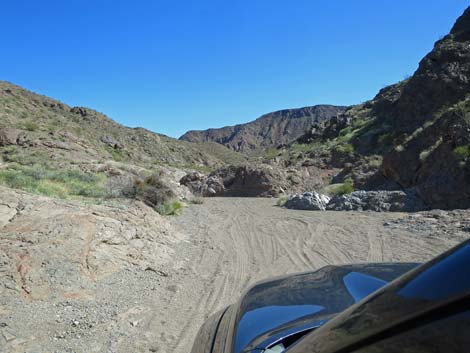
{"points": [[462, 25]]}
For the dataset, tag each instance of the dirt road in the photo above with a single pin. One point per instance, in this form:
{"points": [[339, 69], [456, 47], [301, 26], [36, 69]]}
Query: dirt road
{"points": [[104, 278], [236, 242]]}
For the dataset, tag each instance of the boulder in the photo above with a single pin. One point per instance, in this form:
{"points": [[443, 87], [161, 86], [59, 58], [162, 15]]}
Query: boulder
{"points": [[308, 201], [194, 178], [83, 112], [10, 136], [379, 201], [213, 187], [202, 185], [111, 142]]}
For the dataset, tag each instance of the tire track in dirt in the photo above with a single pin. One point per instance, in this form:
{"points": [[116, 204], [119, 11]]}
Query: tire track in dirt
{"points": [[236, 242]]}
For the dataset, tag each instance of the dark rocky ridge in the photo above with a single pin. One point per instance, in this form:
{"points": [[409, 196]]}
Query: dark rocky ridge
{"points": [[419, 128], [431, 122], [269, 130]]}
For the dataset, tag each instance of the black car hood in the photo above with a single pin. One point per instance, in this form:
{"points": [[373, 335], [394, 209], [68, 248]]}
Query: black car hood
{"points": [[284, 306]]}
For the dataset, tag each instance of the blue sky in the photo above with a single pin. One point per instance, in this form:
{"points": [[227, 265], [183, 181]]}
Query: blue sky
{"points": [[173, 65]]}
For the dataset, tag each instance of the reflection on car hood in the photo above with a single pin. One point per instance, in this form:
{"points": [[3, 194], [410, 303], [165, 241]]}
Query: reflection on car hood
{"points": [[283, 306]]}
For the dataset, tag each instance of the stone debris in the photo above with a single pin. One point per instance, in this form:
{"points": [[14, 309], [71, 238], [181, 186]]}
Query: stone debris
{"points": [[308, 201], [379, 201]]}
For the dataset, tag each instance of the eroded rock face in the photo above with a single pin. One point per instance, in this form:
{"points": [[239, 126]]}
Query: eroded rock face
{"points": [[54, 247], [71, 273], [379, 201], [236, 181], [308, 201]]}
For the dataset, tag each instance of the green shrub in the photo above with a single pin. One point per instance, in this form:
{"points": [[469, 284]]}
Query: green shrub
{"points": [[117, 154], [271, 153], [344, 148], [31, 126], [17, 180], [55, 183], [298, 147], [462, 153], [375, 163], [173, 208], [52, 189], [281, 201], [346, 188]]}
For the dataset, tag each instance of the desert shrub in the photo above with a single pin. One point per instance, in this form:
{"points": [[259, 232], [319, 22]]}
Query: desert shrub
{"points": [[375, 163], [22, 156], [17, 180], [346, 188], [173, 208], [31, 126], [52, 189], [117, 154], [153, 191], [271, 153], [300, 147], [197, 201], [55, 183], [281, 201], [462, 152], [344, 148]]}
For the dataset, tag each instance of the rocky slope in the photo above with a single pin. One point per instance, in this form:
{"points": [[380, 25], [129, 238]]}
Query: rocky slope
{"points": [[269, 130], [431, 122], [413, 135], [38, 127]]}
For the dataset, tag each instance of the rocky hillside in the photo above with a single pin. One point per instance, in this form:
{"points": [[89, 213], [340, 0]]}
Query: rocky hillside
{"points": [[39, 127], [414, 135], [269, 130], [52, 149]]}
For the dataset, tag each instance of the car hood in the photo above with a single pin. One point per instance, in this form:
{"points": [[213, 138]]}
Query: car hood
{"points": [[285, 306]]}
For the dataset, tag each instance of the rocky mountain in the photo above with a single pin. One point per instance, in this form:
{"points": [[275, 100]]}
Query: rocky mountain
{"points": [[431, 123], [414, 135], [269, 130]]}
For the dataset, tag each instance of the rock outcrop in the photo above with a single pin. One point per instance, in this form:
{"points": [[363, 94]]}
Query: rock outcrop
{"points": [[379, 201], [10, 136], [201, 185], [308, 201], [431, 124], [238, 181], [71, 271]]}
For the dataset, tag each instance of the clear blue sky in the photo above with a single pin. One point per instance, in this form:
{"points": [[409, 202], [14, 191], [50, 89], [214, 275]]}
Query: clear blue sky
{"points": [[174, 65]]}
